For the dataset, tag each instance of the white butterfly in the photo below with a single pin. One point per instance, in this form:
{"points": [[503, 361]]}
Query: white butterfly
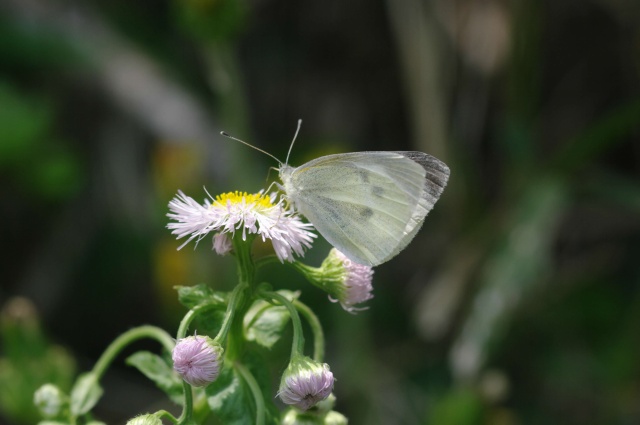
{"points": [[369, 205]]}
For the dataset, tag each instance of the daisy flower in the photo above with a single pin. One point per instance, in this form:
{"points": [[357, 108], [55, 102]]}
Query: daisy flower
{"points": [[240, 212]]}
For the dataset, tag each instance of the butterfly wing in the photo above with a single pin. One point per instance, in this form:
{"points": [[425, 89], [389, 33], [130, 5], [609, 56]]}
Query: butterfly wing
{"points": [[369, 205]]}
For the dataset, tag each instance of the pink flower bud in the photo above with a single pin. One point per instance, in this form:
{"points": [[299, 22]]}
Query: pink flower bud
{"points": [[198, 360], [222, 243], [305, 383]]}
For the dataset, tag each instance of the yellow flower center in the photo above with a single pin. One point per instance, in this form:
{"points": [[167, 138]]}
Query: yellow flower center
{"points": [[259, 199]]}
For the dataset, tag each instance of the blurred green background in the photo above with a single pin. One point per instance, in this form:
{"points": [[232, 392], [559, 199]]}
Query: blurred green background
{"points": [[518, 302]]}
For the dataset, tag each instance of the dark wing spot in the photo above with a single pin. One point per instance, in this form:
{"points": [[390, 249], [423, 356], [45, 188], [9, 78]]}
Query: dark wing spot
{"points": [[363, 176], [377, 191], [366, 212]]}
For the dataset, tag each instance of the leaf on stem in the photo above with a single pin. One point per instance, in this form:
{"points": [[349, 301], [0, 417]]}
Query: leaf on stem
{"points": [[85, 394], [265, 323], [192, 296], [160, 372], [232, 402]]}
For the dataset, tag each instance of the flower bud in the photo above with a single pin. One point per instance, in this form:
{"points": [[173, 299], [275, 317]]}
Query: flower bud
{"points": [[347, 282], [295, 417], [305, 383], [222, 243], [146, 419], [335, 418], [198, 360], [49, 400]]}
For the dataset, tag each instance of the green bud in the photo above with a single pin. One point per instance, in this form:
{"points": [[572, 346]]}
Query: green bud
{"points": [[49, 400], [335, 418], [147, 419], [296, 417]]}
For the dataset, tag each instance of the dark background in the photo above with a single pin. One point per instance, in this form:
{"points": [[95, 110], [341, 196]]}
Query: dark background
{"points": [[517, 303]]}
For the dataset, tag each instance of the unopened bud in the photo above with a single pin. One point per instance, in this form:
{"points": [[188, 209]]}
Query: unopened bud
{"points": [[198, 360], [49, 400], [305, 383], [146, 419]]}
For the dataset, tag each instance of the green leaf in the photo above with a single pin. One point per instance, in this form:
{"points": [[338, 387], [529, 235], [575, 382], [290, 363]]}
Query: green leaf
{"points": [[232, 402], [228, 398], [159, 371], [265, 323], [85, 394], [192, 296]]}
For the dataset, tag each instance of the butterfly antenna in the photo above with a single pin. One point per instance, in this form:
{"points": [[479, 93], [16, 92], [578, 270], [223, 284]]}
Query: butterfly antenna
{"points": [[225, 134], [293, 141]]}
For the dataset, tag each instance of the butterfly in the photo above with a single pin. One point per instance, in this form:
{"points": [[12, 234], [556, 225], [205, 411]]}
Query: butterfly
{"points": [[368, 205]]}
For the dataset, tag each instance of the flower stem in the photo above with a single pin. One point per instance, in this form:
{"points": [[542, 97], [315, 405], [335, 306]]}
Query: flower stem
{"points": [[187, 408], [232, 327], [297, 346], [255, 391], [192, 314], [268, 259], [234, 300], [316, 329], [127, 338], [167, 415], [246, 266]]}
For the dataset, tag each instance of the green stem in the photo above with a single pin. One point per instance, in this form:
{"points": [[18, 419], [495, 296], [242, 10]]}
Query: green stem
{"points": [[246, 266], [127, 338], [187, 409], [164, 414], [234, 300], [191, 314], [255, 391], [268, 259], [246, 280], [316, 329], [297, 346]]}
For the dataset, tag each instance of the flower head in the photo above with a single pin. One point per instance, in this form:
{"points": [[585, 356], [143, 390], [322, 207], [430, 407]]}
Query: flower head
{"points": [[234, 211], [198, 360], [346, 281], [305, 383]]}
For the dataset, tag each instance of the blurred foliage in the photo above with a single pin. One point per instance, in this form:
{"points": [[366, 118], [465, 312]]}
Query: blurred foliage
{"points": [[26, 144], [29, 361], [518, 302]]}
